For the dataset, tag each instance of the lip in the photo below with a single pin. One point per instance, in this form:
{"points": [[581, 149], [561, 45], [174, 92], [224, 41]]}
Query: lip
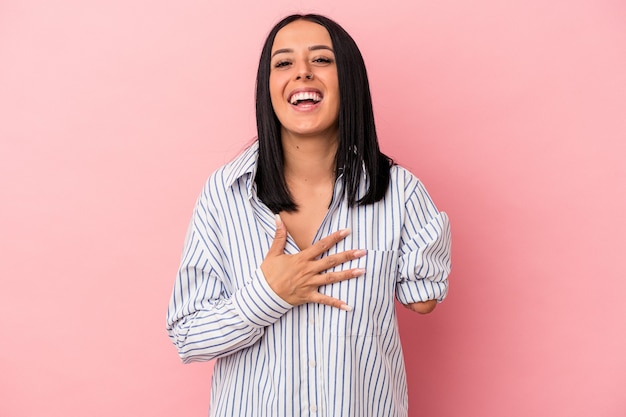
{"points": [[304, 108], [305, 90]]}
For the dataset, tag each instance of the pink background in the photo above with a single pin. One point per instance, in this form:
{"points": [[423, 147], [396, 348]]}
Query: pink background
{"points": [[113, 113]]}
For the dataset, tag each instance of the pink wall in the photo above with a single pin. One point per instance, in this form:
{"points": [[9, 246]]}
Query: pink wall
{"points": [[113, 113]]}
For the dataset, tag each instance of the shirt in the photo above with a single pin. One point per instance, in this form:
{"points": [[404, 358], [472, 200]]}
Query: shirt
{"points": [[279, 360]]}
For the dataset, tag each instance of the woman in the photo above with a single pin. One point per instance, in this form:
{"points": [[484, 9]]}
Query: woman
{"points": [[296, 248]]}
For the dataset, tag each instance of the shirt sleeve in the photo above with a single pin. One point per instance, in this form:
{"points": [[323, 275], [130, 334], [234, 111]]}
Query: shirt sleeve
{"points": [[206, 317], [424, 262]]}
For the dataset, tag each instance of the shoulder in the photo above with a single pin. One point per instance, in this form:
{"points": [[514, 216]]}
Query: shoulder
{"points": [[243, 166], [409, 188], [400, 178]]}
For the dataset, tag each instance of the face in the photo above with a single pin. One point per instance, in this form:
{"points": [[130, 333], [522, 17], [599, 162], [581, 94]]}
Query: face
{"points": [[304, 87]]}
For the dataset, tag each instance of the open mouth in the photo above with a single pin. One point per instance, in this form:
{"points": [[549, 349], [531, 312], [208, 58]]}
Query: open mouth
{"points": [[305, 97]]}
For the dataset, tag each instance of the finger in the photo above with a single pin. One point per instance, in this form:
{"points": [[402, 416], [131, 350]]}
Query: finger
{"points": [[326, 243], [330, 301], [280, 238], [333, 277], [331, 261]]}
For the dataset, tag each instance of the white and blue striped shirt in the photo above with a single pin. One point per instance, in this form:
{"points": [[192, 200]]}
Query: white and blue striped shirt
{"points": [[274, 359]]}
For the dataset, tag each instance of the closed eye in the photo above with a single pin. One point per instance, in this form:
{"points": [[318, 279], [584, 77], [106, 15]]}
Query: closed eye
{"points": [[282, 64], [322, 60]]}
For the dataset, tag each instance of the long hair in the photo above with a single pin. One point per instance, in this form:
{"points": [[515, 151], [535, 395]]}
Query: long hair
{"points": [[358, 143]]}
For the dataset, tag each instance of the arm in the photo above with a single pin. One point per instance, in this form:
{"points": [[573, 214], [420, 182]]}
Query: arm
{"points": [[422, 307], [205, 319], [424, 263], [208, 318]]}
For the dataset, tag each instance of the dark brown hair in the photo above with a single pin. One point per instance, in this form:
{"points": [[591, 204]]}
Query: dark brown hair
{"points": [[358, 143]]}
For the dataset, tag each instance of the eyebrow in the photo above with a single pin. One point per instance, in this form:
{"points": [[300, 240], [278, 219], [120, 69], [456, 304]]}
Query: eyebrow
{"points": [[311, 48]]}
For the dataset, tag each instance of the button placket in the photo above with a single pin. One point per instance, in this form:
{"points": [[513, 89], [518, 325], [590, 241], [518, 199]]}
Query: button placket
{"points": [[309, 359]]}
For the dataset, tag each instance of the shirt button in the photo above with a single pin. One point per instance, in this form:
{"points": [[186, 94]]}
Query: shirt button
{"points": [[311, 321], [313, 408], [312, 364]]}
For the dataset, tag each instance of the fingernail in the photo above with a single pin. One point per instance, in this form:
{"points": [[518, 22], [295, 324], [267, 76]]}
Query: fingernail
{"points": [[359, 253], [279, 221], [345, 307], [358, 272], [344, 232]]}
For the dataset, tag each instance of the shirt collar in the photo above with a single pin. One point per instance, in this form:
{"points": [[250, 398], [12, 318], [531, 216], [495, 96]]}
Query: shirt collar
{"points": [[243, 165]]}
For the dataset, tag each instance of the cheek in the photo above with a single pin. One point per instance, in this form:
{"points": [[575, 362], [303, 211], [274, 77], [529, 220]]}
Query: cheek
{"points": [[336, 101], [333, 86], [276, 86]]}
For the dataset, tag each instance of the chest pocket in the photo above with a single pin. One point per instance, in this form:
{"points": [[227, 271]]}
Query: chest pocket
{"points": [[371, 296]]}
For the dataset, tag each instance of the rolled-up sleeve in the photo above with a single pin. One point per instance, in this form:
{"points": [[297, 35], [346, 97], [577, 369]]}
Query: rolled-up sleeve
{"points": [[207, 317], [424, 262]]}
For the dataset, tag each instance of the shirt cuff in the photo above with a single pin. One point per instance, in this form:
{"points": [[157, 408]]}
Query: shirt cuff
{"points": [[421, 290], [258, 304]]}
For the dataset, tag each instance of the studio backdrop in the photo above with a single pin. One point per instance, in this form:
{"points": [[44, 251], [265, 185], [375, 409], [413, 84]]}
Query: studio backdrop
{"points": [[513, 114]]}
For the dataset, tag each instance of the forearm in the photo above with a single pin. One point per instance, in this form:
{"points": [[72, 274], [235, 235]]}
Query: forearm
{"points": [[222, 326], [422, 307], [211, 333], [424, 266]]}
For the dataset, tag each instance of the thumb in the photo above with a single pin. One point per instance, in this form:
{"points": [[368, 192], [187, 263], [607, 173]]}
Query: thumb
{"points": [[280, 238]]}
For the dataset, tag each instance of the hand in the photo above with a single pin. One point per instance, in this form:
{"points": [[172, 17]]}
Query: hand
{"points": [[297, 278], [422, 307]]}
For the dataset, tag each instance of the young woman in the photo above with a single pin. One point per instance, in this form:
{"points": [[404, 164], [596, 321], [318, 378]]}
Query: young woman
{"points": [[297, 248]]}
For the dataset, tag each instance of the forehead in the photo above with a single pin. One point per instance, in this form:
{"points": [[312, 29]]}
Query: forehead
{"points": [[301, 33]]}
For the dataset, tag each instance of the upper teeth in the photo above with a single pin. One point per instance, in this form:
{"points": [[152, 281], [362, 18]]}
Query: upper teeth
{"points": [[306, 95]]}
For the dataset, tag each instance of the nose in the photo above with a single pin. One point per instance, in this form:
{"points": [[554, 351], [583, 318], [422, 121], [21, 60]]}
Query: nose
{"points": [[306, 75], [304, 72]]}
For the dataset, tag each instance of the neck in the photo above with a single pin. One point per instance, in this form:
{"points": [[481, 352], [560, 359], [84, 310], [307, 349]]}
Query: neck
{"points": [[309, 159]]}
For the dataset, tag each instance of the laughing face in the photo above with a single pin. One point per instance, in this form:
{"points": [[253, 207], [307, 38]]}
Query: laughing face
{"points": [[304, 87]]}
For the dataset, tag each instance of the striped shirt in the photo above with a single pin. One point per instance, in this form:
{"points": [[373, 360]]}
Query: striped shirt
{"points": [[274, 359]]}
